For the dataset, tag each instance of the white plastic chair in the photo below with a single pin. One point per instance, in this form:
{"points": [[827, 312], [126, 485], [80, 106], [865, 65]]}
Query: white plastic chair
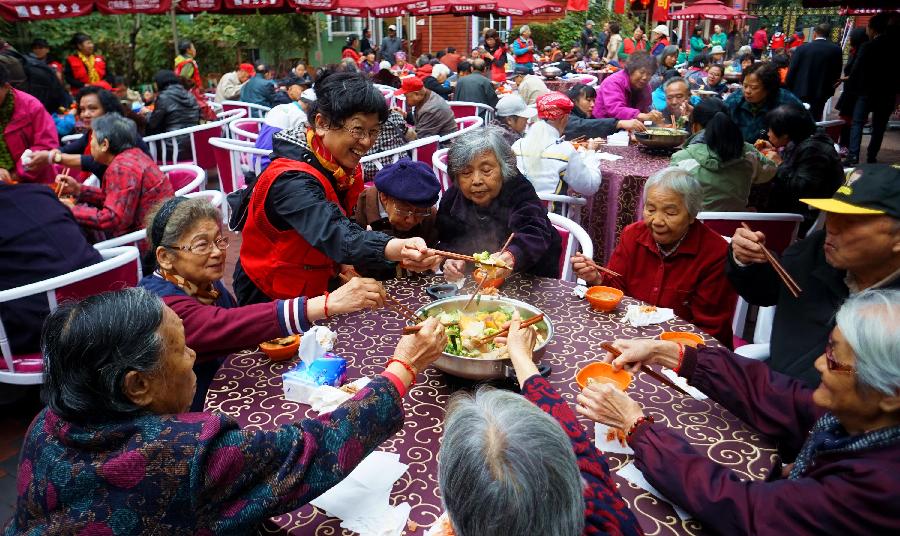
{"points": [[242, 129], [411, 149], [253, 110], [70, 138], [439, 165], [112, 273], [571, 206], [760, 349], [588, 80], [176, 171], [164, 147], [463, 109], [233, 158], [574, 238], [464, 125]]}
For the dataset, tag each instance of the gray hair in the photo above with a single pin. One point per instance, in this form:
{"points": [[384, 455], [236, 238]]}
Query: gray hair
{"points": [[641, 60], [675, 80], [681, 182], [183, 218], [467, 148], [119, 131], [440, 69], [506, 467], [870, 321], [90, 345]]}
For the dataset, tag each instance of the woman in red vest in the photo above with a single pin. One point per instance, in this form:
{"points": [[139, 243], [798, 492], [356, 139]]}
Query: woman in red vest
{"points": [[84, 68], [298, 230], [496, 52]]}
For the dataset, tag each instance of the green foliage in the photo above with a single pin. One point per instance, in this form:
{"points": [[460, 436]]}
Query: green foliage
{"points": [[222, 41], [567, 30]]}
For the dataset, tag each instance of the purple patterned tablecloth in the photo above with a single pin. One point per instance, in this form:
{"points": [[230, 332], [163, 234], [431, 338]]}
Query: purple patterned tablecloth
{"points": [[619, 200], [248, 387]]}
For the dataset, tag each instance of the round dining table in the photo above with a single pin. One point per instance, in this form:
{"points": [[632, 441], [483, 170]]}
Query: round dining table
{"points": [[248, 387]]}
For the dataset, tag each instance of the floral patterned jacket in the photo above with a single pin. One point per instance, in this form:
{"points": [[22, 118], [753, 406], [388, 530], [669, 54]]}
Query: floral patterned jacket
{"points": [[194, 473]]}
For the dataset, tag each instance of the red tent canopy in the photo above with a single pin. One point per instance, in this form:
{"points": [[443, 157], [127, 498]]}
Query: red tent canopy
{"points": [[708, 9], [25, 10]]}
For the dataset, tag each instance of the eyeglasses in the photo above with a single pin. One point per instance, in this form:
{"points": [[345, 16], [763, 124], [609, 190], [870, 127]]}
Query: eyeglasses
{"points": [[833, 364], [360, 134], [203, 247], [424, 213]]}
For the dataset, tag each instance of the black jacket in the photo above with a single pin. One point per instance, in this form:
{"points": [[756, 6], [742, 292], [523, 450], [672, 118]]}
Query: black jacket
{"points": [[476, 87], [811, 169], [874, 72], [815, 68], [802, 325], [297, 201], [431, 83], [175, 109], [582, 125]]}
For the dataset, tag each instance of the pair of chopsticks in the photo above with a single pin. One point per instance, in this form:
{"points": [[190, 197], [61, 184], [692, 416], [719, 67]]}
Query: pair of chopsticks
{"points": [[526, 324], [485, 278], [452, 255], [786, 278], [601, 268], [408, 330], [393, 303], [645, 369], [59, 185]]}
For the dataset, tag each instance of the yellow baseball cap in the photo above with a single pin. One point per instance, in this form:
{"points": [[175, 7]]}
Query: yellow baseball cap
{"points": [[870, 189]]}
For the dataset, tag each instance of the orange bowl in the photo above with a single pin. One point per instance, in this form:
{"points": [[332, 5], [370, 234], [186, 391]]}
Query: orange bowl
{"points": [[684, 337], [280, 352], [495, 282], [604, 298], [601, 372]]}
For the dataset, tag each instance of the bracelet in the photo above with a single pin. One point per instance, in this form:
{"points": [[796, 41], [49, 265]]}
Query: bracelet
{"points": [[680, 357], [405, 365], [326, 304], [643, 419]]}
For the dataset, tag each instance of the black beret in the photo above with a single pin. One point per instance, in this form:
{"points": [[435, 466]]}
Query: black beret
{"points": [[410, 181]]}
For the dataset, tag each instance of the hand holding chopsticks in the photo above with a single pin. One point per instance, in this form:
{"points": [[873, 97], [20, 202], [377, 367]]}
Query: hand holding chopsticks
{"points": [[786, 278], [389, 300], [644, 368], [504, 332]]}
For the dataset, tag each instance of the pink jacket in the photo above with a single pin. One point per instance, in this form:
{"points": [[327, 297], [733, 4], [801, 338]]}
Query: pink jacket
{"points": [[30, 127], [616, 99]]}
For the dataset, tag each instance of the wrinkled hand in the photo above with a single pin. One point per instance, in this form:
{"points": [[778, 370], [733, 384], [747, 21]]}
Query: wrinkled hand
{"points": [[748, 246], [454, 270], [69, 185], [508, 258], [39, 159], [584, 270], [635, 352], [423, 347], [357, 294], [632, 125], [656, 116], [412, 254], [520, 341], [604, 403]]}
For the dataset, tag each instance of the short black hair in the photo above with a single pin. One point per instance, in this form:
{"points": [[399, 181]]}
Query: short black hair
{"points": [[109, 102], [40, 43], [768, 77], [700, 60], [451, 50], [79, 38], [440, 54], [722, 136], [793, 120], [823, 29], [89, 346], [184, 45], [165, 78], [614, 28], [464, 67], [582, 90], [781, 60], [340, 95], [879, 22]]}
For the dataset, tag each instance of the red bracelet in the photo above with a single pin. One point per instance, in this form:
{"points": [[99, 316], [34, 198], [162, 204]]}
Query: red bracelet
{"points": [[680, 357], [405, 365], [326, 304], [648, 419]]}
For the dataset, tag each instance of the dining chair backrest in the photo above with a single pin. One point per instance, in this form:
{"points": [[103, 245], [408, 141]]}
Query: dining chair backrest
{"points": [[464, 126], [165, 151], [410, 150], [185, 178], [574, 238], [566, 205], [588, 80], [780, 228], [118, 269], [70, 138], [253, 110], [439, 165], [233, 159], [246, 128], [467, 109], [400, 102]]}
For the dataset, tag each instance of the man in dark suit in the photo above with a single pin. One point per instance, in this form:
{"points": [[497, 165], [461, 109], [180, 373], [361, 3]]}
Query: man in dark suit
{"points": [[815, 69]]}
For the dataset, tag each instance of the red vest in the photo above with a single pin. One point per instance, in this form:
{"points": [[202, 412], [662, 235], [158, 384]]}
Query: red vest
{"points": [[195, 78], [283, 264], [528, 57], [80, 72]]}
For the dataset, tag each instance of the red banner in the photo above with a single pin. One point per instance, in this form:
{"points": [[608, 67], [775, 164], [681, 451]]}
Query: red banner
{"points": [[253, 4], [619, 7], [119, 7], [661, 10], [25, 10], [577, 5], [198, 6]]}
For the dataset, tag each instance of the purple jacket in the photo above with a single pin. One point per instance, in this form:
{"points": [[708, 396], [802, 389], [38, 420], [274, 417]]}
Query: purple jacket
{"points": [[616, 99], [847, 493]]}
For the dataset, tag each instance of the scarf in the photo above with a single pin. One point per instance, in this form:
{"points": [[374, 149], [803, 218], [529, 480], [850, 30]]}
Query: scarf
{"points": [[7, 161], [829, 437], [206, 296], [306, 138], [88, 61]]}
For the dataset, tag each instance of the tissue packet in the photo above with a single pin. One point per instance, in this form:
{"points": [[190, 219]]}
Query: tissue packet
{"points": [[300, 382]]}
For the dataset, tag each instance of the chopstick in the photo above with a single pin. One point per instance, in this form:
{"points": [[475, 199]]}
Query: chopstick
{"points": [[407, 330], [786, 278], [602, 268], [528, 323], [645, 369], [451, 255], [477, 290], [673, 120], [390, 301], [506, 244], [59, 185]]}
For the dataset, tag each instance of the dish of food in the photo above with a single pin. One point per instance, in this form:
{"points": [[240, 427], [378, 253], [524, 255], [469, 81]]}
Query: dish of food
{"points": [[489, 259], [604, 299], [281, 348], [601, 372], [664, 131], [684, 337], [466, 329]]}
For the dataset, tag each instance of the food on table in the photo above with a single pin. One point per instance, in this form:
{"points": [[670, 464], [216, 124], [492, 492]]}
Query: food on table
{"points": [[761, 145], [647, 308], [683, 337], [489, 259], [601, 372], [465, 331], [604, 299], [663, 131], [613, 434], [494, 280], [282, 341], [281, 348]]}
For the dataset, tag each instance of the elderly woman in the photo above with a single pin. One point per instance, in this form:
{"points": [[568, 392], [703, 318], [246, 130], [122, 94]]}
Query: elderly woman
{"points": [[488, 201], [761, 93], [115, 446], [436, 81], [551, 164], [132, 184], [93, 102], [671, 259], [626, 93], [188, 260], [840, 439], [502, 452], [298, 230], [667, 61]]}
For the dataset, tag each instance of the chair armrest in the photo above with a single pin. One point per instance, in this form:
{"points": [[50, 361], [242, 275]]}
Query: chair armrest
{"points": [[759, 352]]}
